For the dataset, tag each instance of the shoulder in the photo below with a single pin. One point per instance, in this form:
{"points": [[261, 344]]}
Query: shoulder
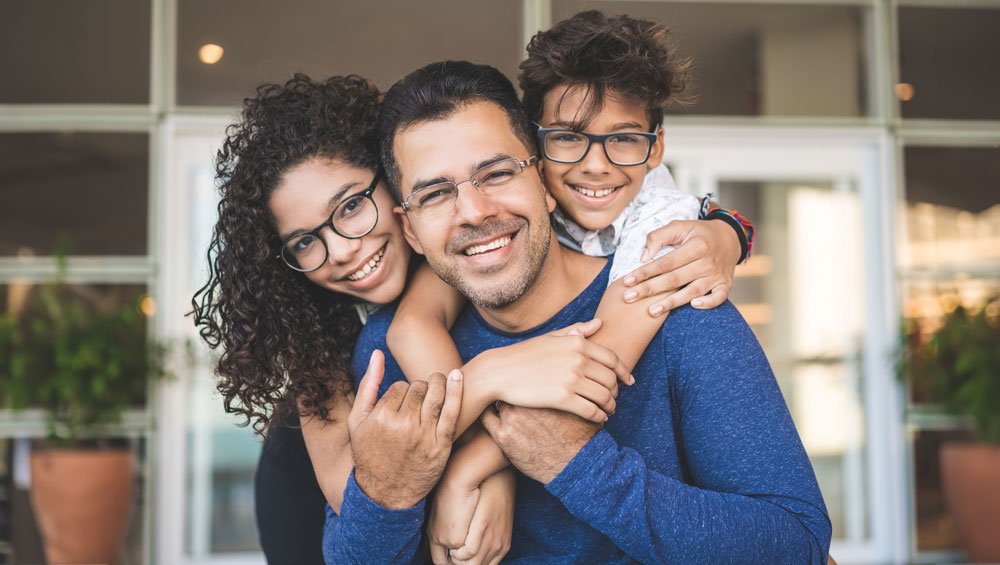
{"points": [[372, 337]]}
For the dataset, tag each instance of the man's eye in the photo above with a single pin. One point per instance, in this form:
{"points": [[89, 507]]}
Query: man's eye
{"points": [[496, 177], [435, 196]]}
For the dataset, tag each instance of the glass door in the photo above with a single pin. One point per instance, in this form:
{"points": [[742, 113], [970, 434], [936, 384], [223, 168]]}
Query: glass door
{"points": [[818, 296]]}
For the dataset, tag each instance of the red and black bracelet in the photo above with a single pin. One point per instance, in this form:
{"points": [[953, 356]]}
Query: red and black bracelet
{"points": [[742, 227]]}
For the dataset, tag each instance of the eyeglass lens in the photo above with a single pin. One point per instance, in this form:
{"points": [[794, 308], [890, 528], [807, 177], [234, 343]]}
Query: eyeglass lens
{"points": [[441, 197], [620, 148], [354, 217]]}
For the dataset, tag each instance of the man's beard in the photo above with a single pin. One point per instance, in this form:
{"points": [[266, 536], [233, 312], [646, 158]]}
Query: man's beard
{"points": [[503, 294]]}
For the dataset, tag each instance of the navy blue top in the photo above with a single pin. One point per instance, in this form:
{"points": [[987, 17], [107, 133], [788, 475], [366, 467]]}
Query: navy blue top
{"points": [[700, 462]]}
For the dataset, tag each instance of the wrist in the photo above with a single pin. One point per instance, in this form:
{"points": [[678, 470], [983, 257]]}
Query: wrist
{"points": [[384, 494], [481, 388]]}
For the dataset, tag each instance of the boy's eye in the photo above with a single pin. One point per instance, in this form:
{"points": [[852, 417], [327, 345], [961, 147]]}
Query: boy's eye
{"points": [[624, 139], [567, 137]]}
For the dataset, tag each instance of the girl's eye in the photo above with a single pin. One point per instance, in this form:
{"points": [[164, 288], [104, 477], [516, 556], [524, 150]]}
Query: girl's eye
{"points": [[302, 244], [350, 206]]}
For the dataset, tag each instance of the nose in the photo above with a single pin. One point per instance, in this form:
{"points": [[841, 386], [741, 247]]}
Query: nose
{"points": [[472, 206], [595, 162], [341, 249]]}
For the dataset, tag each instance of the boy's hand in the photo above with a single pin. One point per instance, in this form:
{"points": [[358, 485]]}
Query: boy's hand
{"points": [[402, 442], [704, 259], [561, 370]]}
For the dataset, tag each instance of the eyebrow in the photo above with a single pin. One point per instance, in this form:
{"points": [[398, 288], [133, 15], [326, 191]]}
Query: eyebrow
{"points": [[576, 126], [422, 183], [330, 204]]}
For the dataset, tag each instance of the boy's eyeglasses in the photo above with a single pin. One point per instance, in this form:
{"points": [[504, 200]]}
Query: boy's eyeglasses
{"points": [[442, 197], [625, 148], [354, 217]]}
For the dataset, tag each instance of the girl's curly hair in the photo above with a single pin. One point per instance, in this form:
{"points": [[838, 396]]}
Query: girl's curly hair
{"points": [[282, 336], [621, 56]]}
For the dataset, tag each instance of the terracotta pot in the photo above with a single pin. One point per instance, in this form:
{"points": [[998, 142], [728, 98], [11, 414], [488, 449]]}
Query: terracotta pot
{"points": [[83, 503], [970, 475]]}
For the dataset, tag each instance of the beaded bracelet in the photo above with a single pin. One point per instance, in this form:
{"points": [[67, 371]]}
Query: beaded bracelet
{"points": [[743, 228]]}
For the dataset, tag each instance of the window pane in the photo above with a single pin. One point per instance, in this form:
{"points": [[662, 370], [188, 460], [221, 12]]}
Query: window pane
{"points": [[803, 294], [752, 60], [53, 51], [952, 210], [90, 187], [948, 59], [379, 39]]}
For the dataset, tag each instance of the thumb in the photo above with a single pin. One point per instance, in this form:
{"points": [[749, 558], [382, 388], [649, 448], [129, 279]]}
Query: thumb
{"points": [[491, 422], [584, 329], [674, 233], [367, 395], [448, 419]]}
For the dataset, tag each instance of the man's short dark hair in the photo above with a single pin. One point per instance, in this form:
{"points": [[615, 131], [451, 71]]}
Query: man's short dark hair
{"points": [[629, 58], [437, 91]]}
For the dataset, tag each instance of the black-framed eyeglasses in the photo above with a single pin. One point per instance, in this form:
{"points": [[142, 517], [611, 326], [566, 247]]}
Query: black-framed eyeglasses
{"points": [[442, 197], [623, 148], [354, 217]]}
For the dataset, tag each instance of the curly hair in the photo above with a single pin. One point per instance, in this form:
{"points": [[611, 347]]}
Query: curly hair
{"points": [[625, 57], [282, 337]]}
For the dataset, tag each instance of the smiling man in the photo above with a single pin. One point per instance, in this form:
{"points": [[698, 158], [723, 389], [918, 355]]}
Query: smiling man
{"points": [[700, 462]]}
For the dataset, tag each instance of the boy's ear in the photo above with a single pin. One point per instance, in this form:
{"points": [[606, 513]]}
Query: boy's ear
{"points": [[404, 222], [550, 201], [656, 152]]}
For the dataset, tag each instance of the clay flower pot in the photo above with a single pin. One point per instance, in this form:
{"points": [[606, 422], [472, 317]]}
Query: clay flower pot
{"points": [[971, 480], [83, 502]]}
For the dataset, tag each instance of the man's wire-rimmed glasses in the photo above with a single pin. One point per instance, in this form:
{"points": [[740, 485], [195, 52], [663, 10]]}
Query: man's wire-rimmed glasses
{"points": [[354, 217], [442, 197], [623, 148]]}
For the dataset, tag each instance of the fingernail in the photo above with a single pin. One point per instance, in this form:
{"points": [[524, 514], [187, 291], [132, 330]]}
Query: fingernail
{"points": [[656, 310], [696, 302], [631, 379], [605, 417], [630, 295], [455, 375], [372, 358], [645, 253], [629, 280]]}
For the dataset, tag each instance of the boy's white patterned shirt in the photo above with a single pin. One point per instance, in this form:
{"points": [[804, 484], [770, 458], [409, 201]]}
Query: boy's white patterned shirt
{"points": [[658, 203]]}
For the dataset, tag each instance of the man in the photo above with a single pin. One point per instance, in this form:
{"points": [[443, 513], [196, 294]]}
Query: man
{"points": [[700, 462]]}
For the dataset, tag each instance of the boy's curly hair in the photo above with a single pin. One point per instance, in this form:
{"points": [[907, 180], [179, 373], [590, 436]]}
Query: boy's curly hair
{"points": [[631, 60], [282, 337]]}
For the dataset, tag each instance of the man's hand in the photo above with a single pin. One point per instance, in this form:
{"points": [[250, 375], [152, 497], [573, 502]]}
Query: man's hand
{"points": [[401, 443], [539, 442]]}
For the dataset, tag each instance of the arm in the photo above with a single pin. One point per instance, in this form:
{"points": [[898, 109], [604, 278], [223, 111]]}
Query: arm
{"points": [[752, 495], [329, 447]]}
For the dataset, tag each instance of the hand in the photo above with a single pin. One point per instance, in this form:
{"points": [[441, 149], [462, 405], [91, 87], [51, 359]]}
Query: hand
{"points": [[401, 443], [561, 370], [539, 442], [452, 508], [704, 259], [493, 522]]}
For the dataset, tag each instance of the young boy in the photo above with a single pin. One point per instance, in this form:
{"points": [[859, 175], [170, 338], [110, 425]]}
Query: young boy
{"points": [[596, 87]]}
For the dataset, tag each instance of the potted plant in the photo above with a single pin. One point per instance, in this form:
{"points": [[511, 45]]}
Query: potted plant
{"points": [[83, 362], [958, 366]]}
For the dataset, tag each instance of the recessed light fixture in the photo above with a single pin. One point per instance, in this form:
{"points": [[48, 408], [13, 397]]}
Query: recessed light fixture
{"points": [[210, 53], [904, 91]]}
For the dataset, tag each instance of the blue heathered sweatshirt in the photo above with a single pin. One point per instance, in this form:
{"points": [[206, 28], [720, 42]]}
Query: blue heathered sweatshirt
{"points": [[700, 463]]}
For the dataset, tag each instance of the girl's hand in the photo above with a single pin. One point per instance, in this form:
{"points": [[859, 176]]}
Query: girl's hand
{"points": [[704, 259], [452, 510], [492, 524], [561, 370]]}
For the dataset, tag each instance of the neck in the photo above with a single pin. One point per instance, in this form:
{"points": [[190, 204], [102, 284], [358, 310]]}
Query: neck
{"points": [[564, 275]]}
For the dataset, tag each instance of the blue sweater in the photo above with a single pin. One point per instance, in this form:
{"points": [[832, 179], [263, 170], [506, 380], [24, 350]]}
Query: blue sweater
{"points": [[700, 463]]}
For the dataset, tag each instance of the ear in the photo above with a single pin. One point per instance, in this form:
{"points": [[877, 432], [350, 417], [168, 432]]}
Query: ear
{"points": [[404, 222], [550, 202], [656, 152]]}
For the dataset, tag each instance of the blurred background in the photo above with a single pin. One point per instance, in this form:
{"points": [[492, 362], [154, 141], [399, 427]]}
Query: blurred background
{"points": [[862, 137]]}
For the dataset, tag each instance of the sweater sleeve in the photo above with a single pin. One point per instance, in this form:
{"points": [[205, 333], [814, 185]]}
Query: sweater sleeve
{"points": [[750, 494], [368, 533]]}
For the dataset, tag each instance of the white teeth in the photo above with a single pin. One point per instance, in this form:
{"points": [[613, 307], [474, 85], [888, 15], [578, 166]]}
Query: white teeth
{"points": [[368, 268], [593, 193], [495, 244]]}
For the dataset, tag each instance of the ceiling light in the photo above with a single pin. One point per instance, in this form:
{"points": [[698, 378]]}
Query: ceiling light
{"points": [[210, 53], [904, 91]]}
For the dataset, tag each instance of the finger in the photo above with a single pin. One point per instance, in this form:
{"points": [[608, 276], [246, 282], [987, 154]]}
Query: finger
{"points": [[587, 409], [393, 398], [595, 392], [439, 553], [434, 401], [367, 395], [414, 398], [473, 542], [609, 359], [667, 282], [673, 233], [713, 299], [667, 263], [691, 292], [491, 422], [452, 405], [585, 329]]}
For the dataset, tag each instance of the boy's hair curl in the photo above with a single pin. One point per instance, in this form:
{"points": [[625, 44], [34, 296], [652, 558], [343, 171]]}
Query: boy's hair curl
{"points": [[283, 338], [625, 58]]}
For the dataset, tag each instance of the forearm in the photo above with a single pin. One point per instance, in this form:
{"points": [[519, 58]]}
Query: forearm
{"points": [[329, 448], [474, 462], [627, 328], [367, 533], [660, 519]]}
